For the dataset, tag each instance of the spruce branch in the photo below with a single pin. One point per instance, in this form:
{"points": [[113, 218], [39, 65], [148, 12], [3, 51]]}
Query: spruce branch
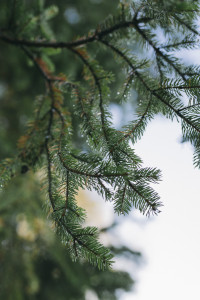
{"points": [[49, 176], [158, 52], [178, 87], [131, 131], [49, 157], [175, 45], [99, 34], [177, 111], [159, 65], [87, 174], [123, 198], [76, 171], [98, 85], [66, 194], [151, 205], [188, 26], [190, 106], [152, 92]]}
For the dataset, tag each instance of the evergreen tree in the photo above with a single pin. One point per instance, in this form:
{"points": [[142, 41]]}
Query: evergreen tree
{"points": [[70, 137]]}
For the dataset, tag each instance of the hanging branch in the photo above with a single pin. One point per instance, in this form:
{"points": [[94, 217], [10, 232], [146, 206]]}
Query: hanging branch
{"points": [[67, 193], [122, 200], [76, 171], [158, 52], [47, 138], [182, 22], [153, 92]]}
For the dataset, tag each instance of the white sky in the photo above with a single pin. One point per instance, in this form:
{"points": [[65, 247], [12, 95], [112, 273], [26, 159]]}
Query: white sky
{"points": [[170, 242]]}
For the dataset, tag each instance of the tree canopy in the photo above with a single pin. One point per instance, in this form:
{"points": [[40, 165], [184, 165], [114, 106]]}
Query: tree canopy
{"points": [[64, 67]]}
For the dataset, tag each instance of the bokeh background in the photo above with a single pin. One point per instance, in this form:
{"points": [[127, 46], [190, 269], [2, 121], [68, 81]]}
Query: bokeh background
{"points": [[33, 262]]}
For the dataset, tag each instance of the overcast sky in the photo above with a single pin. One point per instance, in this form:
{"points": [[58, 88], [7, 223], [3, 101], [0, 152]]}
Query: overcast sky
{"points": [[170, 242]]}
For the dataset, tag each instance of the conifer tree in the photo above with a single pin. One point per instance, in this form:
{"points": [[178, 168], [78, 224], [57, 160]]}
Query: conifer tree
{"points": [[75, 104]]}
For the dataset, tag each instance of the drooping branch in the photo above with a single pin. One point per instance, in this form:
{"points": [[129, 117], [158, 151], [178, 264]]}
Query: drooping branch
{"points": [[159, 52], [66, 194], [148, 88], [182, 22]]}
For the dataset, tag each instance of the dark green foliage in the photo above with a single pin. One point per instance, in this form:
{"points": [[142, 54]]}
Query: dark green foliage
{"points": [[75, 106]]}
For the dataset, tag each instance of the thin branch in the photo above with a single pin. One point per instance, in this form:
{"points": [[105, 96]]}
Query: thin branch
{"points": [[159, 63], [123, 198], [188, 107], [74, 245], [152, 205], [48, 134], [81, 243], [98, 85], [76, 171], [66, 194], [106, 190], [34, 60], [167, 103], [120, 53], [49, 176], [158, 52], [127, 135], [71, 209], [180, 87], [153, 92], [185, 24], [82, 41], [178, 44]]}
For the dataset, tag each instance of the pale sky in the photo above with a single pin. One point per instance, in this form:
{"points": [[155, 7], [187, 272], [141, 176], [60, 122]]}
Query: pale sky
{"points": [[170, 242]]}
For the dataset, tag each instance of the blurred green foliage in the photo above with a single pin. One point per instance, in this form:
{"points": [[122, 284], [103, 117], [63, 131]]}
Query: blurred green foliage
{"points": [[34, 263], [19, 80]]}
